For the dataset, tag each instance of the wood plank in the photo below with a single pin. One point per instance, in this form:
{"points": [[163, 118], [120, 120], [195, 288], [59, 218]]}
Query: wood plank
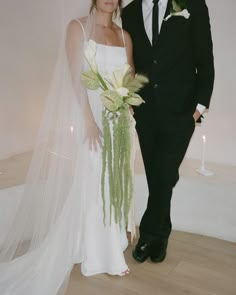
{"points": [[195, 265]]}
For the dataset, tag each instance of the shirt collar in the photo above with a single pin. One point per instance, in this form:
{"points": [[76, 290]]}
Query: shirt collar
{"points": [[149, 2]]}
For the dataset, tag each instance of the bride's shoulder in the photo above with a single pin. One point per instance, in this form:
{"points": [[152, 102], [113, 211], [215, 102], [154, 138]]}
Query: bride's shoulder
{"points": [[82, 20], [77, 23], [118, 28], [126, 34], [75, 26], [127, 37]]}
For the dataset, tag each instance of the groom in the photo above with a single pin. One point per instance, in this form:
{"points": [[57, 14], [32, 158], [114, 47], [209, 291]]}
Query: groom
{"points": [[172, 45]]}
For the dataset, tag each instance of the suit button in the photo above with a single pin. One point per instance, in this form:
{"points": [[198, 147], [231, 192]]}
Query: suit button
{"points": [[155, 86], [155, 61]]}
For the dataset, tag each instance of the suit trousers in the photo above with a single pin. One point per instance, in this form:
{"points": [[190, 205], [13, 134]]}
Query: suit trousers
{"points": [[164, 139]]}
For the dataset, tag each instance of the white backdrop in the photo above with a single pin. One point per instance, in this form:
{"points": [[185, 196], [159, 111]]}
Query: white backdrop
{"points": [[22, 94], [220, 123]]}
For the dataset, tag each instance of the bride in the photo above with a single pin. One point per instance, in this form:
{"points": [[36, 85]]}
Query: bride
{"points": [[103, 246], [60, 219]]}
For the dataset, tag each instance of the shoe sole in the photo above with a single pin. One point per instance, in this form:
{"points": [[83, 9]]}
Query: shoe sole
{"points": [[160, 259]]}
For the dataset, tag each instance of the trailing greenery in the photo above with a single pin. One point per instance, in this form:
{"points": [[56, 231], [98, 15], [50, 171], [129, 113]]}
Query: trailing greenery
{"points": [[116, 160]]}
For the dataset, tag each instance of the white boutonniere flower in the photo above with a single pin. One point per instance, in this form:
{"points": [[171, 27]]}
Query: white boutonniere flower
{"points": [[178, 8]]}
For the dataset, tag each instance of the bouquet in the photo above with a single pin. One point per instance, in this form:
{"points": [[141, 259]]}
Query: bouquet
{"points": [[118, 95]]}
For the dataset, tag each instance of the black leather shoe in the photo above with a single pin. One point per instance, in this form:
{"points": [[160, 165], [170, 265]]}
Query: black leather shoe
{"points": [[142, 251], [158, 251]]}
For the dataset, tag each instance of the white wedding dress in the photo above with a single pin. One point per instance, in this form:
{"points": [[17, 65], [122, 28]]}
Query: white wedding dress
{"points": [[103, 246]]}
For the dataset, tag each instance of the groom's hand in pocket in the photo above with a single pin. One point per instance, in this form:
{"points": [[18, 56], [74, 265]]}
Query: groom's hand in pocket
{"points": [[196, 115]]}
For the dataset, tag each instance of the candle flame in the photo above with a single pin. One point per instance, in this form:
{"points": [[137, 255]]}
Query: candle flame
{"points": [[204, 138], [71, 129]]}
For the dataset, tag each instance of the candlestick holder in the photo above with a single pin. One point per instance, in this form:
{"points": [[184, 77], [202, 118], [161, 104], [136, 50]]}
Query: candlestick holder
{"points": [[205, 172], [202, 170]]}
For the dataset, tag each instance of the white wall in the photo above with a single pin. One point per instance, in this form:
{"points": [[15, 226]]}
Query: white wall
{"points": [[220, 123], [26, 54], [23, 88]]}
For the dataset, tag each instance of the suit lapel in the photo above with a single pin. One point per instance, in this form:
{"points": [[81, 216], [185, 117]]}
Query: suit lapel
{"points": [[168, 8], [141, 22]]}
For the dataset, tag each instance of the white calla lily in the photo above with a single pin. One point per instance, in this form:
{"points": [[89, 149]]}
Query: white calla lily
{"points": [[122, 91], [126, 69], [90, 54], [184, 13], [117, 76]]}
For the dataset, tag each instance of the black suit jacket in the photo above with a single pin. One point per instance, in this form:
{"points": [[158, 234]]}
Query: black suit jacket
{"points": [[180, 66]]}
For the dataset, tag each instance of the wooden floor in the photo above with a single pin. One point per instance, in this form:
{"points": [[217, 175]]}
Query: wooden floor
{"points": [[195, 265]]}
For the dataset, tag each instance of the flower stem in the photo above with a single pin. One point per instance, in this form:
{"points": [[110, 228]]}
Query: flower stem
{"points": [[103, 84]]}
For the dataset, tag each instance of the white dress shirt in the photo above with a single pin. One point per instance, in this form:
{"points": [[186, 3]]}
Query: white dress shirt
{"points": [[147, 6], [147, 15]]}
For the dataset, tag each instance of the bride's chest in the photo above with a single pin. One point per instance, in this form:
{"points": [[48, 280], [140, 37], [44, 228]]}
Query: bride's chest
{"points": [[109, 58]]}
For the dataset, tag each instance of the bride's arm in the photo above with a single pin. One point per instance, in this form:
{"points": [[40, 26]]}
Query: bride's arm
{"points": [[129, 50], [75, 57], [130, 60]]}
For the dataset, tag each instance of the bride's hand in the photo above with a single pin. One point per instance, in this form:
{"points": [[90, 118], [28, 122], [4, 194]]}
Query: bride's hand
{"points": [[93, 135]]}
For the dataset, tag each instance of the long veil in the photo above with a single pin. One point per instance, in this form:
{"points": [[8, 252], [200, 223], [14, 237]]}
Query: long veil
{"points": [[29, 264]]}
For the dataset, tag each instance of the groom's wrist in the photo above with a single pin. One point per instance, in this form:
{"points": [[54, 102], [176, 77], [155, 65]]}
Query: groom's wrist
{"points": [[196, 115]]}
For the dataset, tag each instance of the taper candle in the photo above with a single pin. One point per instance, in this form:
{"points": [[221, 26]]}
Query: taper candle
{"points": [[203, 152]]}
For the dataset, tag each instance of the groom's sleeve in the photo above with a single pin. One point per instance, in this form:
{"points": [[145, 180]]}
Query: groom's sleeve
{"points": [[202, 50]]}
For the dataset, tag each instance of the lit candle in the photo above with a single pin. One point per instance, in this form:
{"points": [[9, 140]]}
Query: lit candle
{"points": [[203, 152]]}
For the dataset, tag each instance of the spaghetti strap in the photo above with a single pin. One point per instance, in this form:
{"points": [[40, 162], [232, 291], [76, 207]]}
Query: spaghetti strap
{"points": [[82, 28], [123, 37]]}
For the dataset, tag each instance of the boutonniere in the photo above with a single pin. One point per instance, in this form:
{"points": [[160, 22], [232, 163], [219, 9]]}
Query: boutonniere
{"points": [[178, 8]]}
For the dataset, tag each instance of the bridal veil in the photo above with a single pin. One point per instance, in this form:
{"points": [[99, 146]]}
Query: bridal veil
{"points": [[38, 252]]}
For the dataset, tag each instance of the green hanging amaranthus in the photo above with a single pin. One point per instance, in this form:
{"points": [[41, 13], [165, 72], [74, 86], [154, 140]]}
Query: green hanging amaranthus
{"points": [[116, 160], [118, 95]]}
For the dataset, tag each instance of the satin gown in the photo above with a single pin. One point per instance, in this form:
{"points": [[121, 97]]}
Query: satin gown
{"points": [[103, 245]]}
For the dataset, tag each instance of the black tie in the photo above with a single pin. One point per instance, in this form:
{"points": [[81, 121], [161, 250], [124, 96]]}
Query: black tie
{"points": [[155, 22]]}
